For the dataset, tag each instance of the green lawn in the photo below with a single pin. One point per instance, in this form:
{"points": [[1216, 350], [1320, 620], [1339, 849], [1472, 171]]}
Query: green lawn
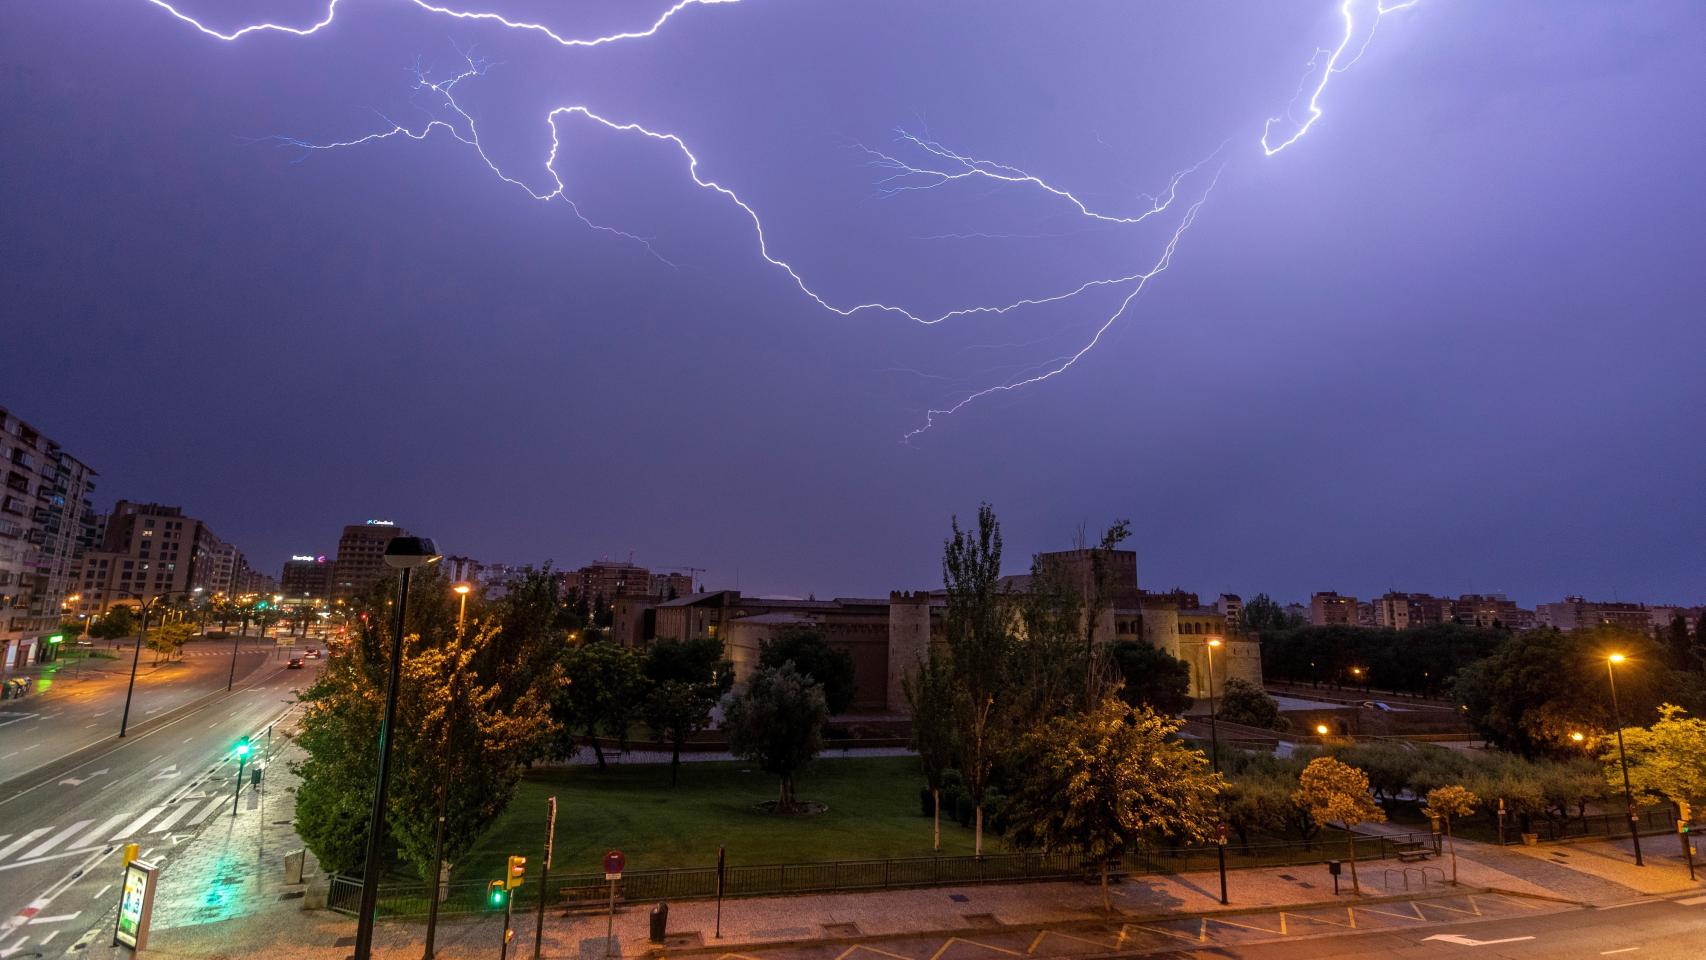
{"points": [[873, 812]]}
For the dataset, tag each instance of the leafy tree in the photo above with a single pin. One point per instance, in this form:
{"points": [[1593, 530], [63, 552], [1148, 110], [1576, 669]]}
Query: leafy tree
{"points": [[602, 685], [1667, 760], [116, 624], [1540, 686], [930, 693], [167, 640], [806, 649], [1684, 655], [686, 678], [1263, 614], [1048, 664], [1417, 660], [1243, 702], [1447, 802], [1331, 790], [1099, 597], [980, 645], [1109, 782], [1258, 802], [1152, 678], [463, 730], [778, 724]]}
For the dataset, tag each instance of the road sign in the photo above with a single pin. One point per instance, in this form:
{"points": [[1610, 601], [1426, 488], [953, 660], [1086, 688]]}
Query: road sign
{"points": [[613, 864], [136, 905]]}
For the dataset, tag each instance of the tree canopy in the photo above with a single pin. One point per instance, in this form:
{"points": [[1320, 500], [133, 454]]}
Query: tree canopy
{"points": [[812, 656], [1152, 678], [686, 679], [1243, 702], [778, 724]]}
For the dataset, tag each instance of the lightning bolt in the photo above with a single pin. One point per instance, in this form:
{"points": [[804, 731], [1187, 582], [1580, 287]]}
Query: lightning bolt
{"points": [[332, 13], [934, 166], [1336, 64]]}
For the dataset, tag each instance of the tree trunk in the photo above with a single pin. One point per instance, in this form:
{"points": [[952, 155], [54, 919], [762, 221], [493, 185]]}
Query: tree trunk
{"points": [[1453, 846], [785, 803], [977, 843], [1352, 837], [936, 839], [1107, 903], [675, 759], [597, 751]]}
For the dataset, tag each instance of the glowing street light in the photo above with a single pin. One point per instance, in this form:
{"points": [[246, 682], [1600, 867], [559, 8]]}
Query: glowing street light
{"points": [[1214, 747], [462, 611], [1622, 759]]}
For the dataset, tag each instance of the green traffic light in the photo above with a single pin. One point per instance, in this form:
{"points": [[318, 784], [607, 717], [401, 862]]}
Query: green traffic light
{"points": [[243, 747]]}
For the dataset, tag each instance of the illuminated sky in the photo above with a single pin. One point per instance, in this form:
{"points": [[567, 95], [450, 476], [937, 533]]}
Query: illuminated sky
{"points": [[1450, 340]]}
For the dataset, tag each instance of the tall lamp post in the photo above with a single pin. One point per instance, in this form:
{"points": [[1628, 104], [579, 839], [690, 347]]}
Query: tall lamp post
{"points": [[1214, 754], [136, 654], [406, 554], [462, 589], [1623, 759]]}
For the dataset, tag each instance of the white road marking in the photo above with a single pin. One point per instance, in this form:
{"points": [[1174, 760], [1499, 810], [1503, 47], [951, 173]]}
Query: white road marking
{"points": [[13, 847], [207, 810], [57, 918], [1469, 942], [182, 810], [14, 948], [49, 938], [1607, 953], [1692, 901], [56, 839], [100, 833], [137, 825], [103, 891]]}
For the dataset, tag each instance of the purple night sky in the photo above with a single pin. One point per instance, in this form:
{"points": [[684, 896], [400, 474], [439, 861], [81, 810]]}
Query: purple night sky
{"points": [[1450, 340]]}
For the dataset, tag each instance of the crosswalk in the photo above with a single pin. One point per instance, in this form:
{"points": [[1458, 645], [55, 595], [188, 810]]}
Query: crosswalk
{"points": [[47, 843]]}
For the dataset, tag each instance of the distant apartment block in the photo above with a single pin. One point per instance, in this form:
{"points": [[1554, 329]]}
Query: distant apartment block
{"points": [[361, 557], [150, 550], [1487, 610], [46, 524], [1231, 607], [1400, 611], [458, 569], [1330, 609], [1660, 617], [607, 581], [1576, 613]]}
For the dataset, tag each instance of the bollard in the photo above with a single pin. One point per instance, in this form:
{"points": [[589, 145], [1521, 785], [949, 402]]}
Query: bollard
{"points": [[1333, 867], [660, 922]]}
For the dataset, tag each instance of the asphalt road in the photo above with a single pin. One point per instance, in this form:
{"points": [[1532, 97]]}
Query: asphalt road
{"points": [[63, 824]]}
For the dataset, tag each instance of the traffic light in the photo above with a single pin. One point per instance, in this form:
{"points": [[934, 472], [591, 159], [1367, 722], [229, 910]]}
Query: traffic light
{"points": [[496, 894], [517, 868], [242, 748]]}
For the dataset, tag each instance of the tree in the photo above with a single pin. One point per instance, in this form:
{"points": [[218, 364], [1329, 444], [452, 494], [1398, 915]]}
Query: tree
{"points": [[930, 693], [980, 645], [1447, 802], [1108, 782], [687, 678], [168, 639], [1684, 655], [602, 684], [461, 738], [1330, 791], [1152, 678], [116, 624], [1098, 597], [815, 658], [778, 724], [1243, 702], [1262, 614], [1540, 686], [1667, 760], [1258, 802]]}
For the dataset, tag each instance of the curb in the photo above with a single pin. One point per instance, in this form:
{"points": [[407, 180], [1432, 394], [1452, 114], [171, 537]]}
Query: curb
{"points": [[731, 946]]}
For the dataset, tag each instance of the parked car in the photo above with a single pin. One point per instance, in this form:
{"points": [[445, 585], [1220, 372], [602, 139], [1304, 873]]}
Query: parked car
{"points": [[294, 664]]}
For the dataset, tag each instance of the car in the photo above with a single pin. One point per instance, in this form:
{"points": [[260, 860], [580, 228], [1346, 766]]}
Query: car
{"points": [[312, 654], [294, 664], [1380, 705]]}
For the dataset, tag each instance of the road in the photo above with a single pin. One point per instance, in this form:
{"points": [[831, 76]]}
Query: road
{"points": [[65, 820]]}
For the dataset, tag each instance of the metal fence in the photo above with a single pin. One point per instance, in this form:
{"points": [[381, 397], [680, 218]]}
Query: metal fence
{"points": [[590, 890], [1650, 820]]}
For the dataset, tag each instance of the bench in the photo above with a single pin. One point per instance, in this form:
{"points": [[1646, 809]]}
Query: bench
{"points": [[1412, 851]]}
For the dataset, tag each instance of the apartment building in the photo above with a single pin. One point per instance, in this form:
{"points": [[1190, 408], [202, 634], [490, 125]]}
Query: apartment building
{"points": [[46, 524], [1330, 609]]}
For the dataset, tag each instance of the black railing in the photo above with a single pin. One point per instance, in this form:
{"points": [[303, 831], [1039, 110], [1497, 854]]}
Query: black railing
{"points": [[591, 890], [1660, 819]]}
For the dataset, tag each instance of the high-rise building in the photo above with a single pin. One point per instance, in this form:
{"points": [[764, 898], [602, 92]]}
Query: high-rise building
{"points": [[361, 557], [150, 550], [607, 581], [1231, 606], [458, 569], [1329, 609], [306, 577], [1486, 610], [46, 523]]}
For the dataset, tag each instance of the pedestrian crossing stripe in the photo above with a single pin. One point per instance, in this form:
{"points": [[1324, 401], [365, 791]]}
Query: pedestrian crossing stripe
{"points": [[87, 834]]}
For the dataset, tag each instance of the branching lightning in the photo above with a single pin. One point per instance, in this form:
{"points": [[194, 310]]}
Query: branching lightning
{"points": [[935, 166]]}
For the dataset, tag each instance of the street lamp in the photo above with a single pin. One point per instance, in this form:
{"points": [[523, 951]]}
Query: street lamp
{"points": [[406, 554], [1214, 754], [462, 611], [1622, 759], [136, 654]]}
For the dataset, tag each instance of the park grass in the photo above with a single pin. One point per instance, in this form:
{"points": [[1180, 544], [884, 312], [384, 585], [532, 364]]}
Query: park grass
{"points": [[873, 812]]}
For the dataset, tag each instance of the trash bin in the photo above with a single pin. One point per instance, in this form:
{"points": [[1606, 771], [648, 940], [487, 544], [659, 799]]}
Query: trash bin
{"points": [[255, 775], [660, 922], [1335, 866]]}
